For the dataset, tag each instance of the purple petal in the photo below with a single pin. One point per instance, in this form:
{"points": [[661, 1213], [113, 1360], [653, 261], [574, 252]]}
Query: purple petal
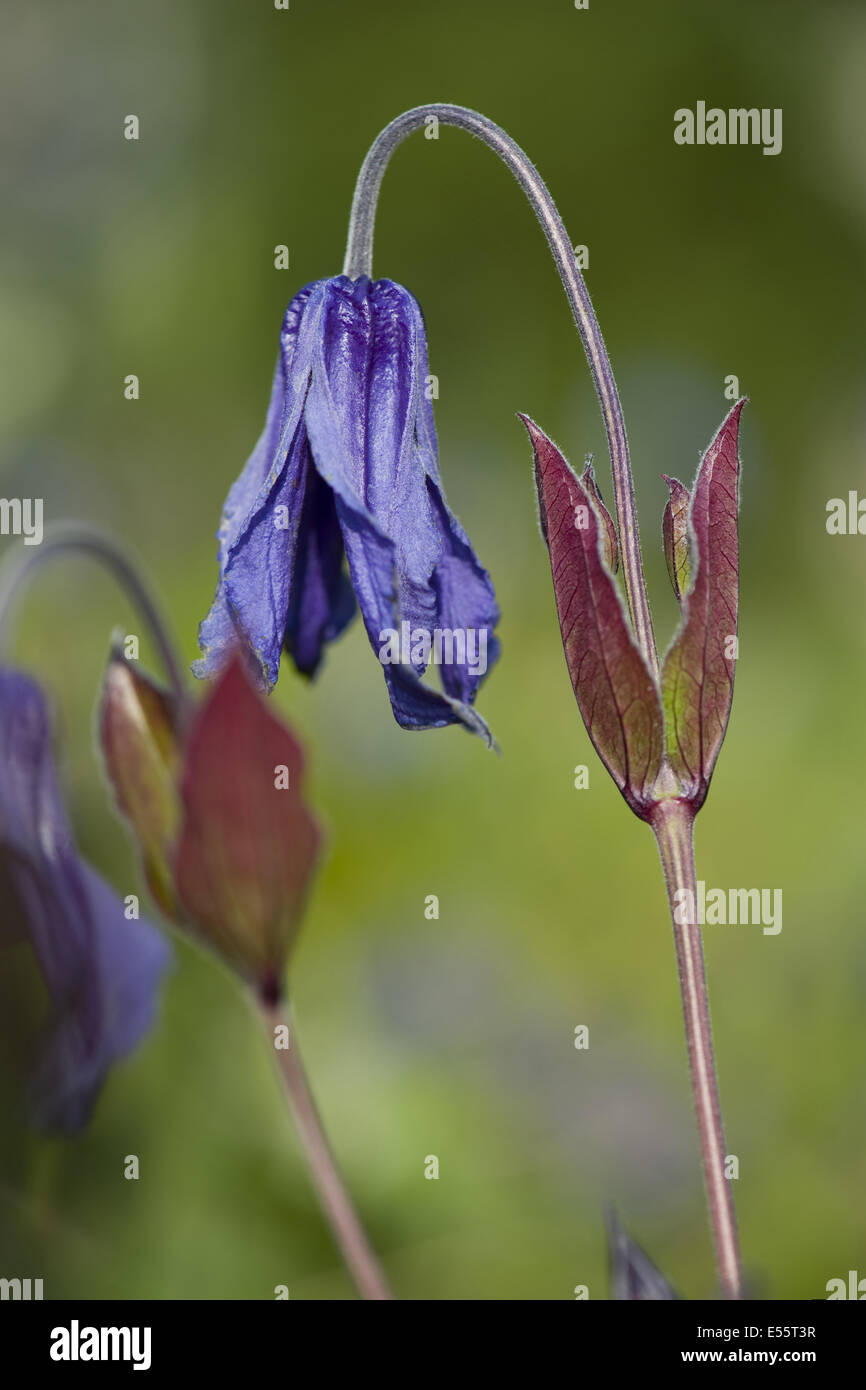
{"points": [[272, 477], [371, 564], [361, 413], [371, 433], [261, 564], [125, 962], [321, 601], [100, 971], [465, 602]]}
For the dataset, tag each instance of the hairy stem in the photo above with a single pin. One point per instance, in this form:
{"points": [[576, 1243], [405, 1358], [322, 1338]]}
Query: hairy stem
{"points": [[359, 261], [74, 538], [348, 1233], [672, 824]]}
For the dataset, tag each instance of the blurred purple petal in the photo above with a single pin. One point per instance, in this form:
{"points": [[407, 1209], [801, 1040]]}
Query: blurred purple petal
{"points": [[633, 1276], [100, 971]]}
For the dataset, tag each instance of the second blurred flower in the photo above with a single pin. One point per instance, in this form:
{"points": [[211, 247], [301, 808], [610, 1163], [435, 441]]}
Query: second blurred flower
{"points": [[214, 801]]}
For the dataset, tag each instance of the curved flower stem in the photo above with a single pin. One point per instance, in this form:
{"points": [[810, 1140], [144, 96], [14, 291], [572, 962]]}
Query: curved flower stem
{"points": [[349, 1234], [672, 823], [70, 538], [359, 261]]}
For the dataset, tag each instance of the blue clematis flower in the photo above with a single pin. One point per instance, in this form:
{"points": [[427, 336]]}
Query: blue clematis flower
{"points": [[346, 469], [100, 971]]}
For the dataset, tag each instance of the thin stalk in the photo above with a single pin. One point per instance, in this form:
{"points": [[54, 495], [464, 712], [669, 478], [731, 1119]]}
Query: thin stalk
{"points": [[672, 823], [359, 261], [348, 1233], [70, 538]]}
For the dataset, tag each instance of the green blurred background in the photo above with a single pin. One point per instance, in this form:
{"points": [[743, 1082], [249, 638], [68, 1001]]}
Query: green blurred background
{"points": [[455, 1037]]}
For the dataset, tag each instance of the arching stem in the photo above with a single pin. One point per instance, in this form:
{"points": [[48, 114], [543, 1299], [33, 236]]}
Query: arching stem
{"points": [[67, 538], [359, 261]]}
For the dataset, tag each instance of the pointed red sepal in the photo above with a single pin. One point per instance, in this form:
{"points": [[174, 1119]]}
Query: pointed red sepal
{"points": [[248, 844], [616, 694], [698, 672]]}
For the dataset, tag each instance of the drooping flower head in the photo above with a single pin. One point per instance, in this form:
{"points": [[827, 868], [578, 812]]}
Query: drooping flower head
{"points": [[346, 474], [101, 971]]}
